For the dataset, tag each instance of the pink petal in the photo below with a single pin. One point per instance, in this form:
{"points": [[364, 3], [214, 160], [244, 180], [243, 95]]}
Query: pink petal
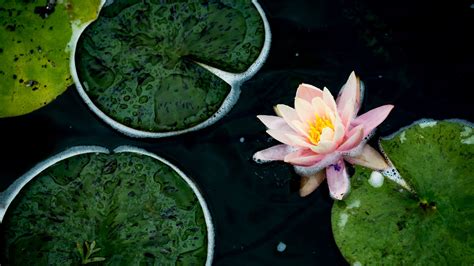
{"points": [[319, 107], [338, 180], [308, 92], [311, 183], [327, 134], [281, 136], [302, 128], [273, 122], [329, 99], [327, 160], [289, 137], [289, 114], [299, 141], [348, 101], [325, 147], [369, 158], [372, 118], [275, 153], [339, 131], [354, 137], [304, 157], [304, 110], [357, 150]]}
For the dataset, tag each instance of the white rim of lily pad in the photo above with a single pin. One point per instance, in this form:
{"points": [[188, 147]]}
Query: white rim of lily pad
{"points": [[235, 80], [7, 196], [392, 172]]}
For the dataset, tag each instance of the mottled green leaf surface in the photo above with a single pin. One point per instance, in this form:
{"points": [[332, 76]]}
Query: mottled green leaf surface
{"points": [[435, 226], [138, 61], [136, 209], [35, 51]]}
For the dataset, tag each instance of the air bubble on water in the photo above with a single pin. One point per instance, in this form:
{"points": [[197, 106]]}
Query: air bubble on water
{"points": [[281, 247], [376, 179], [242, 140]]}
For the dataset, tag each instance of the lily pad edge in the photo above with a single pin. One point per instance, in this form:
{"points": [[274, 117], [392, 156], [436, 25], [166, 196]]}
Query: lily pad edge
{"points": [[427, 121], [392, 173], [7, 196], [235, 80]]}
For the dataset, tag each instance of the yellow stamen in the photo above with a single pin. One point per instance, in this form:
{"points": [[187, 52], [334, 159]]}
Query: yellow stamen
{"points": [[316, 128]]}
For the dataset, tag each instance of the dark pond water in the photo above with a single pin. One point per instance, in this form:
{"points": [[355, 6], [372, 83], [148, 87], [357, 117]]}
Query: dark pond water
{"points": [[417, 56]]}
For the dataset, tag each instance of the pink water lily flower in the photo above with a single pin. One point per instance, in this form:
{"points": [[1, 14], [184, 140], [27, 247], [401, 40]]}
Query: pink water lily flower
{"points": [[320, 133]]}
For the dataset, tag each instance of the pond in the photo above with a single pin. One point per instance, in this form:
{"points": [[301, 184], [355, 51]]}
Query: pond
{"points": [[417, 56]]}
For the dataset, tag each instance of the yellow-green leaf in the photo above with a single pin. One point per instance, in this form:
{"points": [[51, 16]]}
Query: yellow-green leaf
{"points": [[36, 41]]}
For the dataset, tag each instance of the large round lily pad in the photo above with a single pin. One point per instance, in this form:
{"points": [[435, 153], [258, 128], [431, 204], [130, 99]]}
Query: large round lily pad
{"points": [[141, 63], [130, 208], [36, 41], [434, 225]]}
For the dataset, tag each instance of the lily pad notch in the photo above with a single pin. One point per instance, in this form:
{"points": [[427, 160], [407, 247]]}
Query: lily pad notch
{"points": [[9, 195], [234, 80]]}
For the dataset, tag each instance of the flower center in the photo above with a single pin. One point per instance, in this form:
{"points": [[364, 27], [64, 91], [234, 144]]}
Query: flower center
{"points": [[316, 128]]}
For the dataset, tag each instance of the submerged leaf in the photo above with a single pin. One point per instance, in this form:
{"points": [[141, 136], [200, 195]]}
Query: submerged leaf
{"points": [[388, 225], [141, 212], [35, 48], [140, 62]]}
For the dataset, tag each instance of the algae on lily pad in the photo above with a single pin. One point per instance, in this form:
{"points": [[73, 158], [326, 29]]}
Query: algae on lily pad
{"points": [[432, 226], [119, 209], [163, 66], [36, 41]]}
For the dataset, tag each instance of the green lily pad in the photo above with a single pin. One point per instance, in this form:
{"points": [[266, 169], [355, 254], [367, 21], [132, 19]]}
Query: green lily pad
{"points": [[125, 208], [144, 63], [35, 48], [434, 225]]}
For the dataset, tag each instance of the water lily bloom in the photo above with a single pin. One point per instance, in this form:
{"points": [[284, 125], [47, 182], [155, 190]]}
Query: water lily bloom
{"points": [[320, 133]]}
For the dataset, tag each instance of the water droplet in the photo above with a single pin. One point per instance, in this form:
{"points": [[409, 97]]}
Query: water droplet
{"points": [[143, 99]]}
